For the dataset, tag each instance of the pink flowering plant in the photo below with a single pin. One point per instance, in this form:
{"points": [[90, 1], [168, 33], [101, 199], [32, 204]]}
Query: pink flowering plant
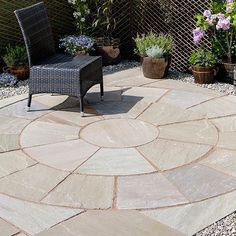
{"points": [[218, 23]]}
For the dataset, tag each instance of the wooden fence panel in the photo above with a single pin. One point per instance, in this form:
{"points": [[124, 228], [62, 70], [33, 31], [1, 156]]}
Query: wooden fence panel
{"points": [[132, 17]]}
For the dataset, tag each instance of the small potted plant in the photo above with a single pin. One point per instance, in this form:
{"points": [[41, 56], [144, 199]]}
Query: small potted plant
{"points": [[203, 64], [77, 45], [17, 62], [155, 52], [219, 24]]}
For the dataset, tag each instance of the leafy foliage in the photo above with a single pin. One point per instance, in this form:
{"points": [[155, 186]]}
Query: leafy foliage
{"points": [[164, 42], [155, 52], [15, 56], [202, 58]]}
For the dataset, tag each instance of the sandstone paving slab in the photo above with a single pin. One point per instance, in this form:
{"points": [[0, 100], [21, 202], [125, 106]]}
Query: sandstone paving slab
{"points": [[163, 113], [166, 154], [71, 117], [12, 100], [64, 156], [201, 132], [226, 124], [222, 160], [90, 192], [114, 223], [20, 109], [180, 85], [192, 218], [131, 77], [147, 191], [184, 99], [11, 162], [32, 183], [218, 107], [119, 133], [33, 218], [111, 94], [51, 100], [110, 161], [7, 229], [9, 142], [227, 140], [198, 182], [144, 94], [112, 110], [12, 125], [41, 133]]}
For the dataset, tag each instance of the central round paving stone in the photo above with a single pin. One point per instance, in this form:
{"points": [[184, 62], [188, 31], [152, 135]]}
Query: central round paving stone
{"points": [[119, 133]]}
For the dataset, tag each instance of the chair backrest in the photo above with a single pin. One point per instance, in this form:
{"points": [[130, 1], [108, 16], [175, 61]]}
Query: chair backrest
{"points": [[37, 32]]}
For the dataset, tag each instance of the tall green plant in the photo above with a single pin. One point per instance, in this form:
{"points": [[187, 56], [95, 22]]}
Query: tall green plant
{"points": [[104, 22]]}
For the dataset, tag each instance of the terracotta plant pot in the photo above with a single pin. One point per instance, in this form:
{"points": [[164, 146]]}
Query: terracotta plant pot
{"points": [[156, 68], [109, 49], [21, 72], [204, 75]]}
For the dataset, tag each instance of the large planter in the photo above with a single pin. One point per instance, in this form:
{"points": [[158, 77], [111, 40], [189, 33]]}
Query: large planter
{"points": [[155, 68], [21, 72], [227, 73], [109, 49], [204, 75]]}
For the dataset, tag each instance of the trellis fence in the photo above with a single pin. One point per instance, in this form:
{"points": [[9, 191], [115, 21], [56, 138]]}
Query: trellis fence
{"points": [[132, 16]]}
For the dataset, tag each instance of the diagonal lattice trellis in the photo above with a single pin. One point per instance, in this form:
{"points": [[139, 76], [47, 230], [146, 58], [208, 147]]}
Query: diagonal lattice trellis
{"points": [[132, 17]]}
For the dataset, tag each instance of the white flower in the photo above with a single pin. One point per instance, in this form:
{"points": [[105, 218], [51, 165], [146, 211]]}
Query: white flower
{"points": [[82, 19]]}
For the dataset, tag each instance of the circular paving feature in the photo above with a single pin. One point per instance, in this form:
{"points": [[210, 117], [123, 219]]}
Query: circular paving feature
{"points": [[119, 133], [135, 153]]}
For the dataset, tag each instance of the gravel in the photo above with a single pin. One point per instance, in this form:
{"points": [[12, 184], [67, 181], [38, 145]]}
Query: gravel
{"points": [[22, 88], [224, 227]]}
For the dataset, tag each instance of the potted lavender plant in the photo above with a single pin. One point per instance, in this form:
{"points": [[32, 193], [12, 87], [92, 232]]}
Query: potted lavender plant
{"points": [[77, 45], [155, 52], [219, 24]]}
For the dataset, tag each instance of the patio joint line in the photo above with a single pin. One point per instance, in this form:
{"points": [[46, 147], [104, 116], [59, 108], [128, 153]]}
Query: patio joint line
{"points": [[208, 100], [150, 162], [59, 183], [115, 193], [222, 171], [17, 171]]}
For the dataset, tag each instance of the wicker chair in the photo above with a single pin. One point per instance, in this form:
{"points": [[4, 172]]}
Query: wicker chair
{"points": [[51, 72]]}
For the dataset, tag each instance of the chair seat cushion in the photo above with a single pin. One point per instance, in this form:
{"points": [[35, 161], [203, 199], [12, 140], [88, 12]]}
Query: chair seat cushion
{"points": [[60, 65]]}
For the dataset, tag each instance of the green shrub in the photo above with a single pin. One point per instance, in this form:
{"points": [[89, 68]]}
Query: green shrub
{"points": [[15, 56], [144, 42], [202, 58]]}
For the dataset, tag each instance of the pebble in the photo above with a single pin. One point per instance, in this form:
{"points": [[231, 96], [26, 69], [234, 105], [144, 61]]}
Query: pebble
{"points": [[224, 227]]}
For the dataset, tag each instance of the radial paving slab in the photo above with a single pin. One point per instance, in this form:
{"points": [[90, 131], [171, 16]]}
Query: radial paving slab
{"points": [[113, 223], [110, 161], [163, 148], [119, 133]]}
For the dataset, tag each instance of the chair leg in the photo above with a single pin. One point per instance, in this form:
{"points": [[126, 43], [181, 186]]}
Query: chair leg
{"points": [[29, 101], [81, 101], [101, 91]]}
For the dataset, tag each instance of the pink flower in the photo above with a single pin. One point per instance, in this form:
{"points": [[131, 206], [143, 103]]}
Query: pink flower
{"points": [[198, 34], [207, 14], [223, 24]]}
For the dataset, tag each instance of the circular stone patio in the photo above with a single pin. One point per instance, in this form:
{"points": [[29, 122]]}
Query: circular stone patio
{"points": [[150, 145]]}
